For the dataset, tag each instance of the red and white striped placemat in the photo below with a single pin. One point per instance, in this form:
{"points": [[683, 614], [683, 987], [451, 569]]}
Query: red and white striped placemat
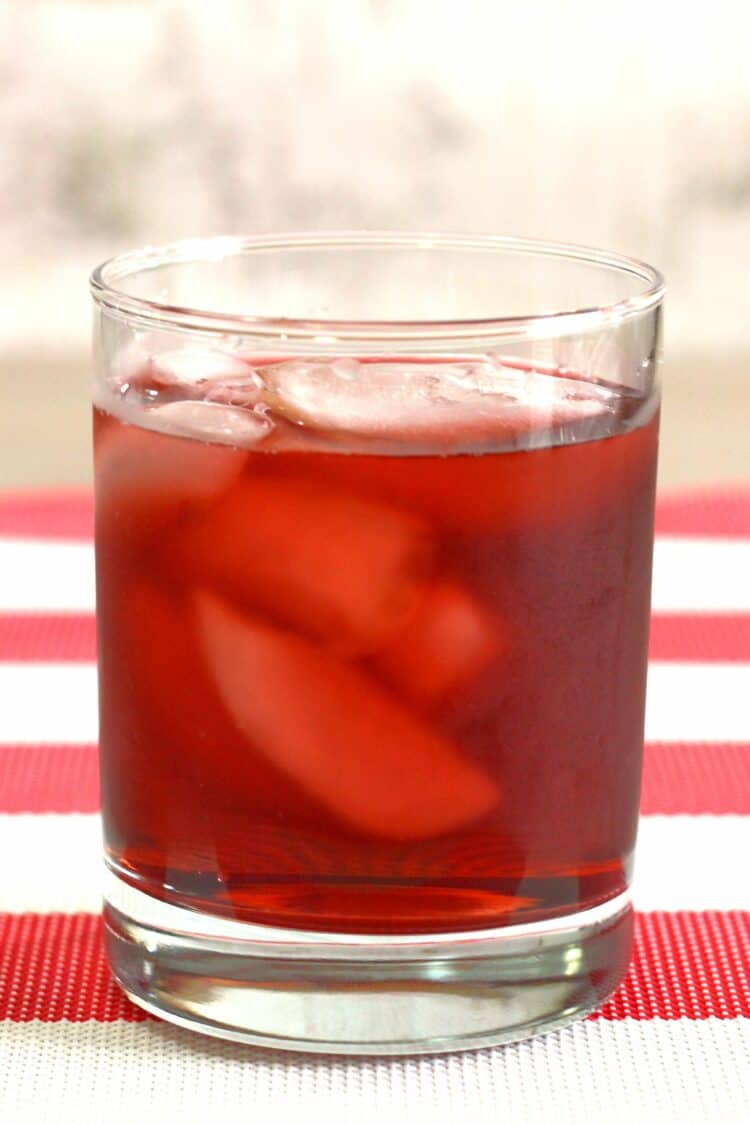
{"points": [[672, 1045]]}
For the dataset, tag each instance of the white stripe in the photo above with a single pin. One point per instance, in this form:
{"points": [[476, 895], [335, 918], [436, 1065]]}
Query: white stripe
{"points": [[46, 575], [692, 863], [698, 702], [685, 703], [690, 575], [693, 575], [648, 1071], [48, 703], [53, 862]]}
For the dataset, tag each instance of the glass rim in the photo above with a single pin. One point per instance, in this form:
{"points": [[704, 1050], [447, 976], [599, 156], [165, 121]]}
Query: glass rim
{"points": [[107, 294]]}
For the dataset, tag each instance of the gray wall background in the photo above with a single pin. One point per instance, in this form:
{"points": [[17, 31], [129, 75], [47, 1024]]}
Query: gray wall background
{"points": [[125, 122]]}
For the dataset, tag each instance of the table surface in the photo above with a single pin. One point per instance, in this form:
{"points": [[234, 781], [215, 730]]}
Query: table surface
{"points": [[672, 1045]]}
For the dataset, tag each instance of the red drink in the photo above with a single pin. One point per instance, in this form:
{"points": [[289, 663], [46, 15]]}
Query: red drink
{"points": [[372, 639]]}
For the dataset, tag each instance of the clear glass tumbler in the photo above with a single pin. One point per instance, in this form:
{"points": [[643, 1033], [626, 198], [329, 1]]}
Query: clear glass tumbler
{"points": [[374, 537]]}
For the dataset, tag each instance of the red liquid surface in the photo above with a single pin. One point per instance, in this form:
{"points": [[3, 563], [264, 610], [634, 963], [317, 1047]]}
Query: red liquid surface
{"points": [[374, 692]]}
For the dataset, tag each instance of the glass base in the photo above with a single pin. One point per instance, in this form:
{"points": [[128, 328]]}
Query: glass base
{"points": [[363, 994]]}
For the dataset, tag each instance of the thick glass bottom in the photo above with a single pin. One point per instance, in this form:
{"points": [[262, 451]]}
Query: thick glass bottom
{"points": [[363, 994]]}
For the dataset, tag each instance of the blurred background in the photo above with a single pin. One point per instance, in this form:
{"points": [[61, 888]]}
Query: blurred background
{"points": [[125, 122]]}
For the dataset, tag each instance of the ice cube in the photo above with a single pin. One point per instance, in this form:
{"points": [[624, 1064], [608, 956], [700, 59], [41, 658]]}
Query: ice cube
{"points": [[245, 389], [448, 641], [211, 421], [366, 758], [342, 567], [139, 376], [157, 674], [161, 375], [466, 399], [127, 364], [144, 479], [193, 367]]}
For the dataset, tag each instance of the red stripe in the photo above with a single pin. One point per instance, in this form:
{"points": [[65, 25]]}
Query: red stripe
{"points": [[721, 512], [692, 966], [46, 779], [52, 968], [697, 636], [59, 514], [696, 778], [686, 966], [47, 636], [693, 778], [68, 513]]}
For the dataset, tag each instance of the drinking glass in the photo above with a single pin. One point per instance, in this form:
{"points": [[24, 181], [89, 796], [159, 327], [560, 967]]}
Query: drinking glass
{"points": [[374, 526]]}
